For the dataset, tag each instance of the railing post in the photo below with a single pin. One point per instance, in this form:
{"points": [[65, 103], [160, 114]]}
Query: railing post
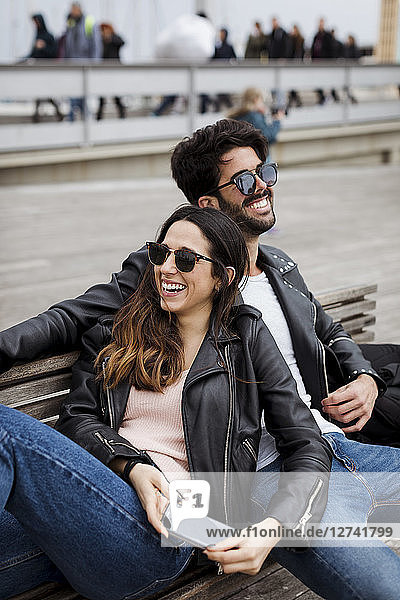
{"points": [[346, 103], [85, 114]]}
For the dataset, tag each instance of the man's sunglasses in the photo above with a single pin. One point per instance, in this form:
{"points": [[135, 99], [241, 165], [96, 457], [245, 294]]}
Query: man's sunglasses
{"points": [[185, 260], [246, 182]]}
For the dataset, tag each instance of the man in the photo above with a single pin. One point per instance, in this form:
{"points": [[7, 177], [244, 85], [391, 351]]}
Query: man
{"points": [[82, 42], [219, 166], [327, 358], [322, 49]]}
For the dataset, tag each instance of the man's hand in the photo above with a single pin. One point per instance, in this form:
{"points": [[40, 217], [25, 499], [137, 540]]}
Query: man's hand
{"points": [[246, 553], [352, 401]]}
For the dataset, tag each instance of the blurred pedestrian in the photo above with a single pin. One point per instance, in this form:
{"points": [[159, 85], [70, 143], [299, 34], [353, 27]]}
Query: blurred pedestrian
{"points": [[257, 43], [44, 47], [351, 52], [277, 41], [337, 54], [295, 52], [277, 49], [82, 42], [252, 109], [321, 49], [223, 51], [112, 44]]}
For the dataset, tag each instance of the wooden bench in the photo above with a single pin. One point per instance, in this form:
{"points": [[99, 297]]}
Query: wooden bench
{"points": [[37, 388]]}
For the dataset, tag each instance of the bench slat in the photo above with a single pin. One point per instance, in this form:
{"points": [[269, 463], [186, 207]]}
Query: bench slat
{"points": [[345, 295], [355, 325], [35, 389], [45, 366], [44, 409], [340, 313]]}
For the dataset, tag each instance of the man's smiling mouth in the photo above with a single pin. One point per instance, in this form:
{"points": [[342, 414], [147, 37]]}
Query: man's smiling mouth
{"points": [[259, 202]]}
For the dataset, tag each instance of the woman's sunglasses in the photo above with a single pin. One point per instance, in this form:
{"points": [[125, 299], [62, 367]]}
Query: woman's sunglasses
{"points": [[246, 182], [185, 260]]}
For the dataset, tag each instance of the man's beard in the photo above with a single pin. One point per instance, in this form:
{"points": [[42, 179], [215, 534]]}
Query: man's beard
{"points": [[249, 226]]}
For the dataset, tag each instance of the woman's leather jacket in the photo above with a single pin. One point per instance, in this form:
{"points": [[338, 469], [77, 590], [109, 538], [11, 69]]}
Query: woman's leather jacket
{"points": [[223, 398]]}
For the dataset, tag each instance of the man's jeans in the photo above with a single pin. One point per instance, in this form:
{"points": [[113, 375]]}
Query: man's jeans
{"points": [[91, 524], [344, 572], [87, 520]]}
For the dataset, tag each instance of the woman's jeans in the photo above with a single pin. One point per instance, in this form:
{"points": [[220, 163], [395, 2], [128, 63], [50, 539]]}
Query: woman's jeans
{"points": [[75, 513], [364, 477]]}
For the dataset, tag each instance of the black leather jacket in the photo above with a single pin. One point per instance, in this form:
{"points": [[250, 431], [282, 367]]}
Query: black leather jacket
{"points": [[221, 416], [326, 355]]}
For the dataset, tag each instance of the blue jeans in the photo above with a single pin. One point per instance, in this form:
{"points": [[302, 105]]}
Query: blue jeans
{"points": [[352, 572], [79, 520]]}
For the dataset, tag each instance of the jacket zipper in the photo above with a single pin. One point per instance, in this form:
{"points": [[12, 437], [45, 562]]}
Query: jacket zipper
{"points": [[231, 410], [248, 446], [104, 441], [322, 349], [109, 402], [306, 516], [338, 339]]}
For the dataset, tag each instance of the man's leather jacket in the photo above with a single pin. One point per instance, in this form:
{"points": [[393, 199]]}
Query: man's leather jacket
{"points": [[229, 385], [326, 355]]}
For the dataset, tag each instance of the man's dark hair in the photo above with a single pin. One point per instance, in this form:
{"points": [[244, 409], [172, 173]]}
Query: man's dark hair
{"points": [[196, 160]]}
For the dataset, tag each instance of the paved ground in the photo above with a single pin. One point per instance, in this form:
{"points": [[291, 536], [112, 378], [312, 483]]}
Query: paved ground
{"points": [[341, 225]]}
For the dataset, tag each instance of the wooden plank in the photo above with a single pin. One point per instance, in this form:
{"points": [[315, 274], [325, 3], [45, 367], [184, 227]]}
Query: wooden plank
{"points": [[344, 311], [214, 587], [37, 368], [49, 591], [44, 409], [281, 585], [364, 337], [30, 390], [346, 294], [358, 323]]}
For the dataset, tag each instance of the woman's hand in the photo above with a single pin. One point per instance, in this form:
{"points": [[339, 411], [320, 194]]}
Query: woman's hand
{"points": [[153, 492], [246, 553]]}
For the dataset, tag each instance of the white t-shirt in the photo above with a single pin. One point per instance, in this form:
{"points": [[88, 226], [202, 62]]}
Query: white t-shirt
{"points": [[258, 292]]}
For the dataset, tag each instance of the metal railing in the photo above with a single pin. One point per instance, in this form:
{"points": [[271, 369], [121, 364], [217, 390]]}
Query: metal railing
{"points": [[377, 85]]}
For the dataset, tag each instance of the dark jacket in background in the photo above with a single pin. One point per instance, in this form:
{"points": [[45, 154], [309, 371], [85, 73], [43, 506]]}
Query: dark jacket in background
{"points": [[351, 52], [322, 46], [278, 43], [224, 51], [257, 46], [337, 48], [295, 46], [50, 49], [112, 47]]}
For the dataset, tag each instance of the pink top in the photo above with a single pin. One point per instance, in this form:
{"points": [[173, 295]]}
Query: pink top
{"points": [[153, 422]]}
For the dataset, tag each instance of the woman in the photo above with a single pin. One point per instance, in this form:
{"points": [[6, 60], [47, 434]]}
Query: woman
{"points": [[252, 109], [112, 44], [177, 383], [44, 47]]}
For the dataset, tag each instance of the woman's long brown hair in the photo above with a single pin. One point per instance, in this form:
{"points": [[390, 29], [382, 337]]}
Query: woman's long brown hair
{"points": [[146, 347]]}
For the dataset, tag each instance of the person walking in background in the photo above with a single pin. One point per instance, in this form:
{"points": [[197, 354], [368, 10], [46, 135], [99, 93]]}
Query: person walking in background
{"points": [[82, 42], [257, 43], [321, 49], [351, 52], [223, 51], [252, 109], [112, 44], [44, 47], [277, 41], [295, 52], [337, 54]]}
